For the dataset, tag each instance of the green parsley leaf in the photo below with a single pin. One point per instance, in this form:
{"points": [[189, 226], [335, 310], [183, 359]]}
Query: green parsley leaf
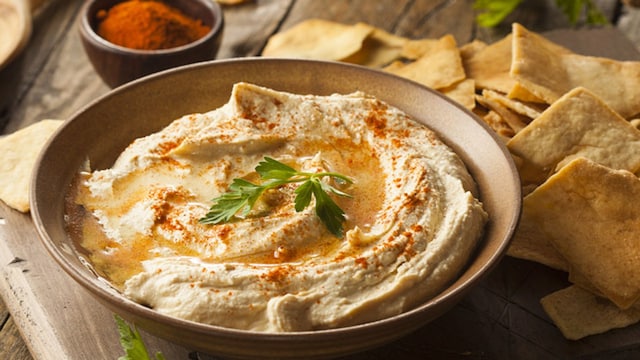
{"points": [[273, 169], [132, 343], [304, 193], [242, 194], [326, 209], [573, 8], [240, 198], [493, 12]]}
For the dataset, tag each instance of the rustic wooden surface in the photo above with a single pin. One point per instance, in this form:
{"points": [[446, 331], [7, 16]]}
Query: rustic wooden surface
{"points": [[45, 315]]}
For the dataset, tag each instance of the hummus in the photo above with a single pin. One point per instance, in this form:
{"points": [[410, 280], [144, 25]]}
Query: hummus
{"points": [[412, 222]]}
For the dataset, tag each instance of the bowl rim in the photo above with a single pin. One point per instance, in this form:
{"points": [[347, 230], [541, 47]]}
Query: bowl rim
{"points": [[88, 32], [105, 294]]}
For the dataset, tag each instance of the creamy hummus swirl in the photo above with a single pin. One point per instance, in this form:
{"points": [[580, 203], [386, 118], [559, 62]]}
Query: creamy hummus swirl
{"points": [[411, 226]]}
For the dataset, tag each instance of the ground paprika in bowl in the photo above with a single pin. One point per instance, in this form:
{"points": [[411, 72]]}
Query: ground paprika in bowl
{"points": [[127, 39], [149, 25]]}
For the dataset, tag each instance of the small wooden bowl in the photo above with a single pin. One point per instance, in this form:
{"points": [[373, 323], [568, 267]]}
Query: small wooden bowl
{"points": [[117, 65]]}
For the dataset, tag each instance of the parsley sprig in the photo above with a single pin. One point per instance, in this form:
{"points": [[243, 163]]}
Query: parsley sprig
{"points": [[492, 12], [132, 342], [242, 194]]}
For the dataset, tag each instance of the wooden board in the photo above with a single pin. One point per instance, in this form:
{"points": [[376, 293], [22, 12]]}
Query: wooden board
{"points": [[501, 318]]}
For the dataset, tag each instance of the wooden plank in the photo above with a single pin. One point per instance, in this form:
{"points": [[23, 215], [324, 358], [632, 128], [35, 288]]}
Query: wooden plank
{"points": [[382, 14], [264, 17], [55, 64], [11, 344], [428, 19]]}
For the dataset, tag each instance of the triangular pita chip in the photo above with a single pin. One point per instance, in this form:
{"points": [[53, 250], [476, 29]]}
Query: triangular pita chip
{"points": [[528, 109], [578, 125], [318, 39], [471, 49], [515, 121], [19, 154], [590, 214], [520, 93], [530, 243], [379, 49], [579, 313], [439, 67], [489, 66], [548, 73], [462, 92], [415, 49], [497, 123]]}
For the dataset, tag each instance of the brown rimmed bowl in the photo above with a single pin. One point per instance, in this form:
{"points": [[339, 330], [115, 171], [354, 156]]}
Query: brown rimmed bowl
{"points": [[100, 131], [117, 65]]}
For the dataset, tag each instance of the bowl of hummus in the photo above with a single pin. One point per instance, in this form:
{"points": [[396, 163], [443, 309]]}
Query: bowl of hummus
{"points": [[276, 208]]}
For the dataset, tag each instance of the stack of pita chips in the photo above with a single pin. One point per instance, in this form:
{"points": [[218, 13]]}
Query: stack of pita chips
{"points": [[436, 63], [578, 158], [570, 122]]}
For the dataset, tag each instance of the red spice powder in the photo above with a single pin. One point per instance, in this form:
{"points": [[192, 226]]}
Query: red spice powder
{"points": [[148, 25]]}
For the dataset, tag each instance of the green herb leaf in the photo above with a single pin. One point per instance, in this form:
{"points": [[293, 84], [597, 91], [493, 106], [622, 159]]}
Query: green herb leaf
{"points": [[304, 193], [493, 12], [331, 214], [242, 194], [273, 169], [132, 343], [573, 8], [240, 198]]}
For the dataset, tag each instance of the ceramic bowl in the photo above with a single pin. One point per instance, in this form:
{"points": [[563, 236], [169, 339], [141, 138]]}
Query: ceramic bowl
{"points": [[117, 65], [100, 131], [16, 15]]}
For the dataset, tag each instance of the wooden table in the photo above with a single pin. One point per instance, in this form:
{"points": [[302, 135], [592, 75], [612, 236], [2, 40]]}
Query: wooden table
{"points": [[500, 319]]}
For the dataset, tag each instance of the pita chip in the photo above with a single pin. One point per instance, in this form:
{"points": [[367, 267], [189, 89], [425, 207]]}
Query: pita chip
{"points": [[548, 73], [530, 243], [590, 214], [579, 313], [579, 124], [489, 66], [527, 109], [471, 48], [318, 39], [515, 121], [462, 92], [519, 92], [20, 151], [438, 68], [380, 48], [497, 124], [415, 49], [580, 280]]}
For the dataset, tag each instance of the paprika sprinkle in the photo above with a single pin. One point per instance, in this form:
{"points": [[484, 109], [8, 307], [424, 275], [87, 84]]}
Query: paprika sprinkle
{"points": [[148, 25]]}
